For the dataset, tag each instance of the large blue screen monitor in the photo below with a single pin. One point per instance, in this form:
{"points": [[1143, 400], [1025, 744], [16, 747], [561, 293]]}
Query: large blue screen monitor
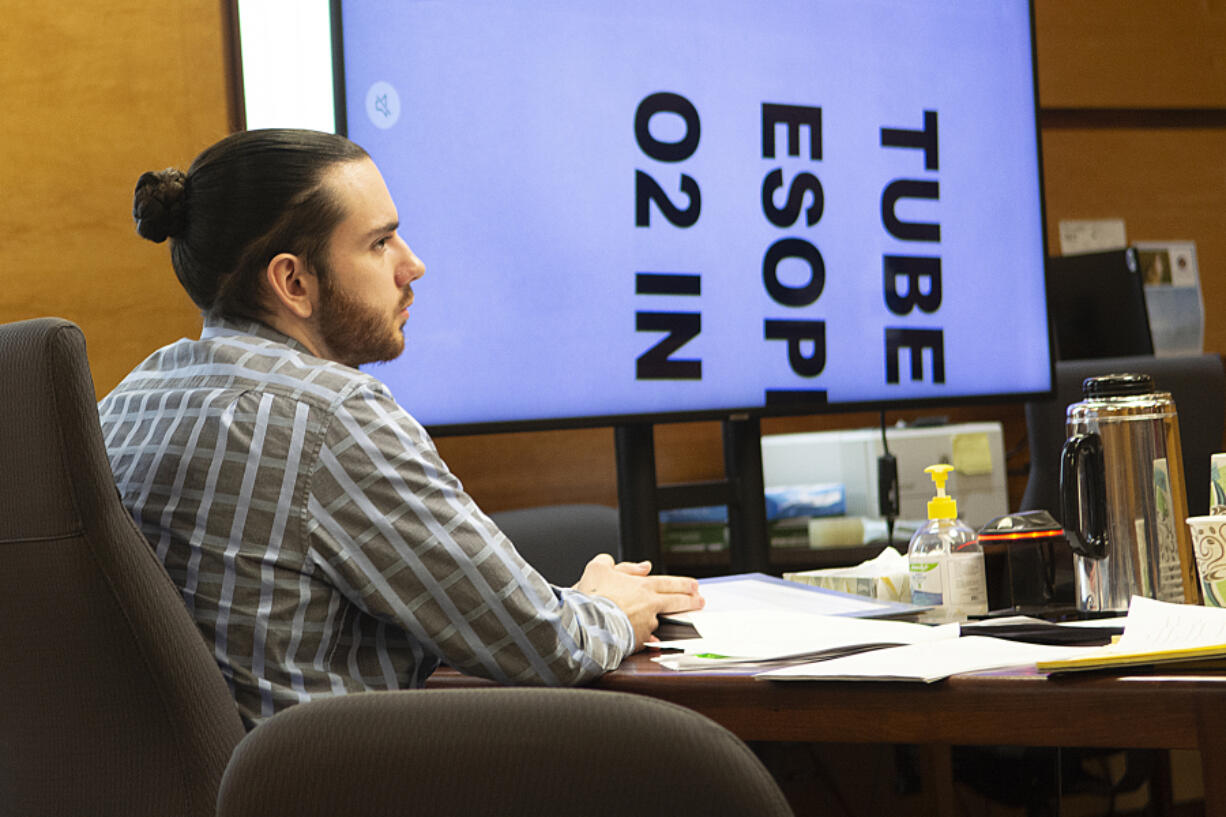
{"points": [[680, 210]]}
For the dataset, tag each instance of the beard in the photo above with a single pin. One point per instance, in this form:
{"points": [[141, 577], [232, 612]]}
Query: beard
{"points": [[356, 332]]}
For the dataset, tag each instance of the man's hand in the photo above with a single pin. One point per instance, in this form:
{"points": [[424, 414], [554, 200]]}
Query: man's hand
{"points": [[641, 596]]}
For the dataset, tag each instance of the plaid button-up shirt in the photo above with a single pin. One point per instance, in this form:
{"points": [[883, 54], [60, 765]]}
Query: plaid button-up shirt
{"points": [[319, 540]]}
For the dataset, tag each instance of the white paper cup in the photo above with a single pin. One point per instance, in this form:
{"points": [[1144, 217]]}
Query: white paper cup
{"points": [[1209, 545]]}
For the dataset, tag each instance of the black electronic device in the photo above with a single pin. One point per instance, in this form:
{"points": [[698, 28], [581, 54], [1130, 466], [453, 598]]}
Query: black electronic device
{"points": [[1097, 303], [1028, 562]]}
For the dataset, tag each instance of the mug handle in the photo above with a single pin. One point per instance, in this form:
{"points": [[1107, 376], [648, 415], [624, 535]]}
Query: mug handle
{"points": [[1083, 456]]}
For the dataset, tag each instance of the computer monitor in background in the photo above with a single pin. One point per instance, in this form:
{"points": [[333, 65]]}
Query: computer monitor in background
{"points": [[1097, 303], [640, 212], [680, 210]]}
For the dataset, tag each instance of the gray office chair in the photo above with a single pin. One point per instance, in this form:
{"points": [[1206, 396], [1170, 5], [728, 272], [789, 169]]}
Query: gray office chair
{"points": [[110, 700], [112, 704], [1196, 383], [559, 540], [499, 751]]}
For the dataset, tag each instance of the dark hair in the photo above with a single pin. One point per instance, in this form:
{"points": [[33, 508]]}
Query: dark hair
{"points": [[247, 198]]}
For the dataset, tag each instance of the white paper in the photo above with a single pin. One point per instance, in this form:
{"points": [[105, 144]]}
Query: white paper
{"points": [[1159, 625], [771, 634], [924, 662], [740, 637]]}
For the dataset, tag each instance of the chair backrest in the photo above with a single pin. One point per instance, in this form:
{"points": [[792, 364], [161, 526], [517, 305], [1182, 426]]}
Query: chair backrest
{"points": [[1197, 385], [559, 540], [495, 751], [110, 700]]}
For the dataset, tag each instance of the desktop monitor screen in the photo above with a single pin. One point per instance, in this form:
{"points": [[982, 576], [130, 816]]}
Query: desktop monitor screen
{"points": [[697, 209]]}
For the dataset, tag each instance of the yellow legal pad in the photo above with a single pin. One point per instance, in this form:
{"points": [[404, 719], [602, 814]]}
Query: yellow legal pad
{"points": [[1209, 657]]}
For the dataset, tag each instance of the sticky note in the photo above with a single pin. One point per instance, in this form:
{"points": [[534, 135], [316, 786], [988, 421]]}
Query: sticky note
{"points": [[972, 454]]}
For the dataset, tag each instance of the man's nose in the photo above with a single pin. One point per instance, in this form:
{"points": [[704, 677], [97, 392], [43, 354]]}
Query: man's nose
{"points": [[410, 269]]}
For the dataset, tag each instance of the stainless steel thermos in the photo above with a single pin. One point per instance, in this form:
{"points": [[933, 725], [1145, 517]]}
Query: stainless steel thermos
{"points": [[1122, 495]]}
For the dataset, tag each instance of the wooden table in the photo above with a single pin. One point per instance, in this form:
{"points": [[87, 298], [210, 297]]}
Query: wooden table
{"points": [[1016, 707]]}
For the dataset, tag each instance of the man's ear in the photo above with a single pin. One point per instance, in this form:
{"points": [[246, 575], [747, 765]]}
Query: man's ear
{"points": [[292, 285]]}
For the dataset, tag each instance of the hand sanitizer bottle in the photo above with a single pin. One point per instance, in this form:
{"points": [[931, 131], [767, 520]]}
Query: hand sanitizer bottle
{"points": [[945, 560]]}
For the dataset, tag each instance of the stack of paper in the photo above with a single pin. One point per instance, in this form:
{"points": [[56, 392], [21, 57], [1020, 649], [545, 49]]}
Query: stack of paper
{"points": [[924, 662], [753, 620], [816, 634], [763, 637], [1155, 632]]}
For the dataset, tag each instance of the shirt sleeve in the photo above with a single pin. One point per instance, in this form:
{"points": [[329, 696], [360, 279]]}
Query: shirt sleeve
{"points": [[393, 527]]}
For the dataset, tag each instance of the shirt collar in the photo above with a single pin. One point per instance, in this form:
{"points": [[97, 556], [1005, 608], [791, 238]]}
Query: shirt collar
{"points": [[220, 327]]}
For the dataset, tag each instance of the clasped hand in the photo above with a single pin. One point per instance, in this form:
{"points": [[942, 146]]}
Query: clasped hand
{"points": [[641, 596]]}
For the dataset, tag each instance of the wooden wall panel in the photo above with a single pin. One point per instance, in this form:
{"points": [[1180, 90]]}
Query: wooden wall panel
{"points": [[95, 94], [1131, 54]]}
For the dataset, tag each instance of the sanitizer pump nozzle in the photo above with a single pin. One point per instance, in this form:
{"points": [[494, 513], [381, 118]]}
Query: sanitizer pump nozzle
{"points": [[941, 506]]}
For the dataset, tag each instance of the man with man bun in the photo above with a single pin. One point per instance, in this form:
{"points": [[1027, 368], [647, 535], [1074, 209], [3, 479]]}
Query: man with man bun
{"points": [[320, 542]]}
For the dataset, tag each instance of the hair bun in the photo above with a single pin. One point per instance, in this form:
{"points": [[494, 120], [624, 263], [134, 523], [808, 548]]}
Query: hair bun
{"points": [[158, 204]]}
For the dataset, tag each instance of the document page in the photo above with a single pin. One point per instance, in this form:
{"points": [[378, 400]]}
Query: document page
{"points": [[730, 638], [925, 663], [1161, 625]]}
